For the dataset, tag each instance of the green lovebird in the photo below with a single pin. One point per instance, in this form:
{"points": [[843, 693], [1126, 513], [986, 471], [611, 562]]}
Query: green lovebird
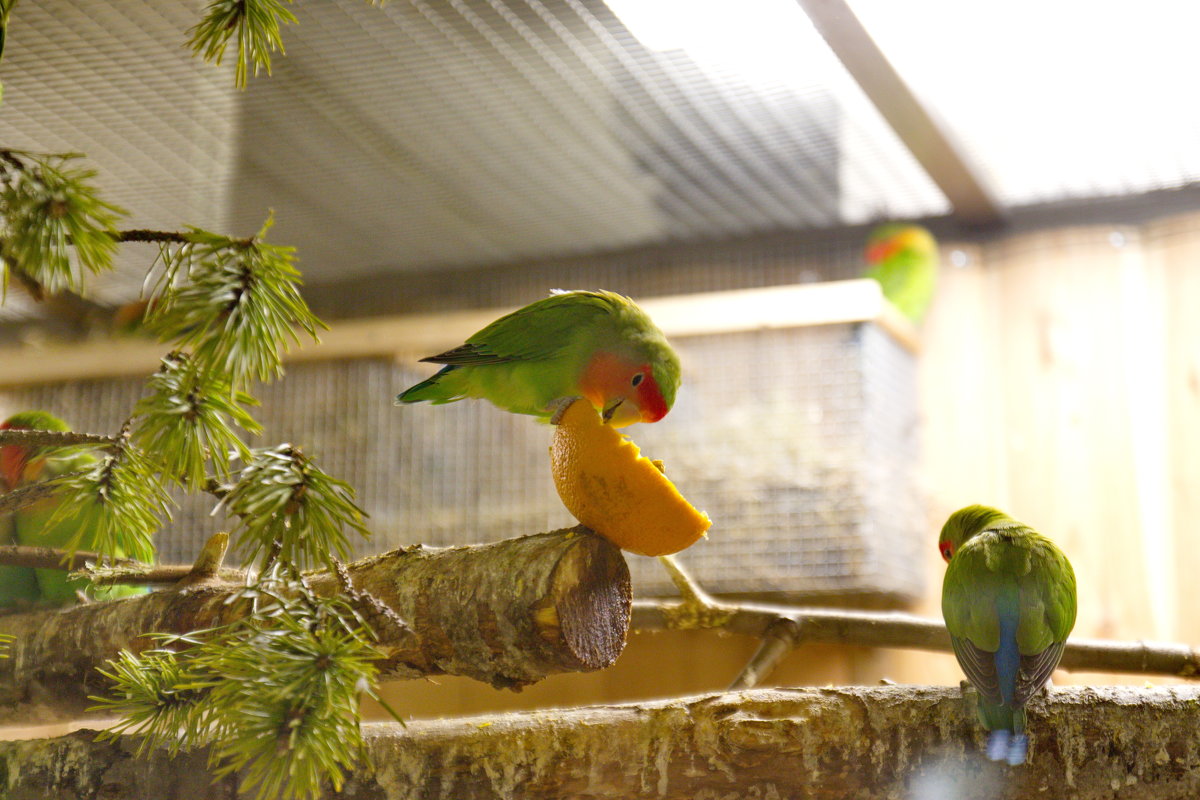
{"points": [[1009, 603], [597, 345], [21, 466], [904, 259]]}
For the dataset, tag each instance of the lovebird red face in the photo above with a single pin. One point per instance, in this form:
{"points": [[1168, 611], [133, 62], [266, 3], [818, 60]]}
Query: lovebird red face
{"points": [[946, 547], [890, 240], [12, 462], [623, 391]]}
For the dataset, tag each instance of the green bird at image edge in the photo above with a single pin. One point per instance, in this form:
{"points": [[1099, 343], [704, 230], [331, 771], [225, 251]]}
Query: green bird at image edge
{"points": [[598, 345], [1009, 601]]}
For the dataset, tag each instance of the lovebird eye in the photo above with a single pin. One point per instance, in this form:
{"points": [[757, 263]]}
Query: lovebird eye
{"points": [[637, 379]]}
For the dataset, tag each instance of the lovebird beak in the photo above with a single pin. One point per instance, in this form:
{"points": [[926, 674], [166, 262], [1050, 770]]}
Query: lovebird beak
{"points": [[612, 409], [621, 413]]}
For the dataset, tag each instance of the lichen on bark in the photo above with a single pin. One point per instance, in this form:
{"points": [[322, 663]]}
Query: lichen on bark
{"points": [[869, 743]]}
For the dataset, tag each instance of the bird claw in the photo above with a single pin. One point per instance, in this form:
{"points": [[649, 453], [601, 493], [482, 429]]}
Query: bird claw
{"points": [[560, 407]]}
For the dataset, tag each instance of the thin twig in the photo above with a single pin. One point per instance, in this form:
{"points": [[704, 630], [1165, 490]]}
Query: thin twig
{"points": [[217, 489], [698, 609], [28, 495], [893, 629], [780, 639], [161, 575], [17, 555], [31, 438], [144, 235]]}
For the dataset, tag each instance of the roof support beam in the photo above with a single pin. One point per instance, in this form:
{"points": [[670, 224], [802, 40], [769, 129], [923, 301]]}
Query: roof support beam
{"points": [[926, 136]]}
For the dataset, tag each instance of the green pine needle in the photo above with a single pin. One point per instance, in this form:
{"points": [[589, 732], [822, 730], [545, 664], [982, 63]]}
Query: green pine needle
{"points": [[50, 209], [257, 25], [186, 421], [285, 503], [118, 503], [151, 694], [275, 695], [234, 303]]}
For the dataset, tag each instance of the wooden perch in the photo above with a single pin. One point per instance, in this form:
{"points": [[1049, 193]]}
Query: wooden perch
{"points": [[507, 613], [867, 743], [783, 627]]}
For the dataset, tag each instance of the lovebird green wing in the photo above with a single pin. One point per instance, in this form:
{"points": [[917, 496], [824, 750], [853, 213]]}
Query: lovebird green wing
{"points": [[540, 330]]}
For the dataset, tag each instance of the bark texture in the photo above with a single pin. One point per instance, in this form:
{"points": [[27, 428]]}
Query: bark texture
{"points": [[508, 613], [865, 743]]}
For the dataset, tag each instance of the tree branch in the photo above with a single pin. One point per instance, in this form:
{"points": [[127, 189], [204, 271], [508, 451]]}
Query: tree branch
{"points": [[507, 613], [28, 438], [17, 555], [873, 629], [867, 743], [27, 496]]}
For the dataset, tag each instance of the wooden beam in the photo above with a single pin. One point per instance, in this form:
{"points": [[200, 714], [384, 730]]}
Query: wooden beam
{"points": [[415, 335], [922, 132]]}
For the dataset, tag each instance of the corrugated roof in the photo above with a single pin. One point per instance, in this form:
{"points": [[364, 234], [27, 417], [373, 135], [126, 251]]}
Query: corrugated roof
{"points": [[474, 132]]}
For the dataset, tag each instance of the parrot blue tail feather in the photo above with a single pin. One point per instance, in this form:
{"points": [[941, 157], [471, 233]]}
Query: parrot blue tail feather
{"points": [[1018, 746], [1008, 656], [998, 745]]}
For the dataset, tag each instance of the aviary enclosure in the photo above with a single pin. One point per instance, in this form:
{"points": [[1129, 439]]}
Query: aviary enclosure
{"points": [[324, 563]]}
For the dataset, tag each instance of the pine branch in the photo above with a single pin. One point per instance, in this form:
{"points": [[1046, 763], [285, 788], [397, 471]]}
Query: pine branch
{"points": [[28, 438], [17, 555], [163, 237], [28, 495]]}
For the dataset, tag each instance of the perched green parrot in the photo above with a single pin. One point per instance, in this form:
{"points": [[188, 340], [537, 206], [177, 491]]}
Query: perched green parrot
{"points": [[1009, 603], [904, 259], [597, 345], [21, 466]]}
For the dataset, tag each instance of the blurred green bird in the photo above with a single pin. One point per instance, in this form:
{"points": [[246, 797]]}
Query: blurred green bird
{"points": [[1009, 602], [904, 259]]}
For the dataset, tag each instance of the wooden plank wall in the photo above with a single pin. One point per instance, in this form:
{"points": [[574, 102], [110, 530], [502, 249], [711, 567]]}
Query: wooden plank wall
{"points": [[1060, 381]]}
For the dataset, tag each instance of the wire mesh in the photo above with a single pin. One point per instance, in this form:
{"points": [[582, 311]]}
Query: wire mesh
{"points": [[799, 443]]}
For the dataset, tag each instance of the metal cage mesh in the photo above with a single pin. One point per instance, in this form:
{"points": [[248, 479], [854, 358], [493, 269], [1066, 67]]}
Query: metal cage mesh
{"points": [[799, 443]]}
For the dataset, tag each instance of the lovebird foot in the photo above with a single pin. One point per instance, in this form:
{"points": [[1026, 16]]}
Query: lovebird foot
{"points": [[1017, 748], [998, 745]]}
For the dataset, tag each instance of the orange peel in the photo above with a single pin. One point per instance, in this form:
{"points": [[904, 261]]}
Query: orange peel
{"points": [[606, 483]]}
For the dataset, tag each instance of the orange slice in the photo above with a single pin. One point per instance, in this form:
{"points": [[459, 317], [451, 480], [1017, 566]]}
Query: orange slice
{"points": [[607, 484]]}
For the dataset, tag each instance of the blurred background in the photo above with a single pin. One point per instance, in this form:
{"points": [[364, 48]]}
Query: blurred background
{"points": [[437, 164]]}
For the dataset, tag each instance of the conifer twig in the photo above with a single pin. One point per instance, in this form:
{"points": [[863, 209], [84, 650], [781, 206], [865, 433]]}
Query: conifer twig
{"points": [[19, 555], [28, 495], [30, 438]]}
